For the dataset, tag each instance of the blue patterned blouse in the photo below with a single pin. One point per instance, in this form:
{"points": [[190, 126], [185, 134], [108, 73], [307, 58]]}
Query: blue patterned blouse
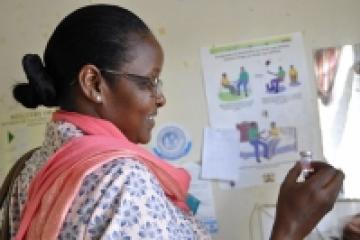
{"points": [[120, 200]]}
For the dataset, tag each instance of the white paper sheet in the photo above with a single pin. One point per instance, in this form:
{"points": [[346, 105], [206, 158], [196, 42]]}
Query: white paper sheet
{"points": [[220, 154]]}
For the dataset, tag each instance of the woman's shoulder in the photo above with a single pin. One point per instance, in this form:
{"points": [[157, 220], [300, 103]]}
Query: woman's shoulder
{"points": [[126, 165], [127, 173]]}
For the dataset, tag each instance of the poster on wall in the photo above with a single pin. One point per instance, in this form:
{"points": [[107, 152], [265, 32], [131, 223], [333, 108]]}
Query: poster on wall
{"points": [[255, 93], [21, 131]]}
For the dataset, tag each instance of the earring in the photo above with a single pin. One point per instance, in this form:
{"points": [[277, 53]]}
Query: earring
{"points": [[98, 98]]}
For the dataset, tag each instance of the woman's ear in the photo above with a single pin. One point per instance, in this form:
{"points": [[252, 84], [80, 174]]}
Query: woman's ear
{"points": [[89, 79]]}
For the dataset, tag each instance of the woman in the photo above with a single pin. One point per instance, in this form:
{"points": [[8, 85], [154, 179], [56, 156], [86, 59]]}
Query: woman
{"points": [[90, 179]]}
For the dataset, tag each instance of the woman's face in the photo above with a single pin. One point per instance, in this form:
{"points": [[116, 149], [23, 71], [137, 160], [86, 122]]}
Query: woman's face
{"points": [[131, 104]]}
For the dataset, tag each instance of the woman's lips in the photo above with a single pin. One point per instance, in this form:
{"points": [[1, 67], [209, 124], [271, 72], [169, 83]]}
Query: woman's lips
{"points": [[151, 119]]}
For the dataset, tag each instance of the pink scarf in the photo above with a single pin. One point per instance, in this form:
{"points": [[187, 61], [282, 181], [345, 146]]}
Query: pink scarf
{"points": [[53, 189]]}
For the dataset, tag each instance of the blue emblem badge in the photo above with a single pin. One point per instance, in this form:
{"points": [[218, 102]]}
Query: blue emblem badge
{"points": [[172, 143]]}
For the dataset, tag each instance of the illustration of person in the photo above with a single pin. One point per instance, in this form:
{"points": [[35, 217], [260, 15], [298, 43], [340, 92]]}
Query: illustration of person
{"points": [[255, 139], [274, 135], [275, 83], [242, 81], [293, 75], [225, 83]]}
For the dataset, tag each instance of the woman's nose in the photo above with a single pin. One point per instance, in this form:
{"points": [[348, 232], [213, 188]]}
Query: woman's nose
{"points": [[160, 100]]}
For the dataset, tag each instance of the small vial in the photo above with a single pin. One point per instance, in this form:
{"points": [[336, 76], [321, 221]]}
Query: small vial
{"points": [[305, 161]]}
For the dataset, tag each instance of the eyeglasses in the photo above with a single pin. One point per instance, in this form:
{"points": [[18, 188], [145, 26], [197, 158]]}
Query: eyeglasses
{"points": [[153, 84]]}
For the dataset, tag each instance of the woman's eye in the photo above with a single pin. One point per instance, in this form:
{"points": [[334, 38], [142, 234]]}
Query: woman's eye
{"points": [[145, 84]]}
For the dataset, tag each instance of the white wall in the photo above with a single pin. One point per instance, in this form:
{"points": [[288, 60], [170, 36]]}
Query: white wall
{"points": [[183, 26]]}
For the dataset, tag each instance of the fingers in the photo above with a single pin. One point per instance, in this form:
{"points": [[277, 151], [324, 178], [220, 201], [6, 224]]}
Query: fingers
{"points": [[333, 187], [317, 165], [351, 231], [293, 173], [336, 181], [354, 228], [356, 219], [323, 175]]}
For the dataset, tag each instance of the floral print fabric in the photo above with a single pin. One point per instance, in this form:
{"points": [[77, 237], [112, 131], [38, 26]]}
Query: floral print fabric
{"points": [[120, 200]]}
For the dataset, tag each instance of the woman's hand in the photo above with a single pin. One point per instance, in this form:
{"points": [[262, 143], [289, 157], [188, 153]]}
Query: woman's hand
{"points": [[301, 205], [352, 229]]}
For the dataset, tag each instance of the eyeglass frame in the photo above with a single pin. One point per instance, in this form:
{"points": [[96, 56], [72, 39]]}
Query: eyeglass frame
{"points": [[156, 83]]}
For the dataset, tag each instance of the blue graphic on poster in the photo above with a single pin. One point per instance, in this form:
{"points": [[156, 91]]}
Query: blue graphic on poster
{"points": [[172, 143]]}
